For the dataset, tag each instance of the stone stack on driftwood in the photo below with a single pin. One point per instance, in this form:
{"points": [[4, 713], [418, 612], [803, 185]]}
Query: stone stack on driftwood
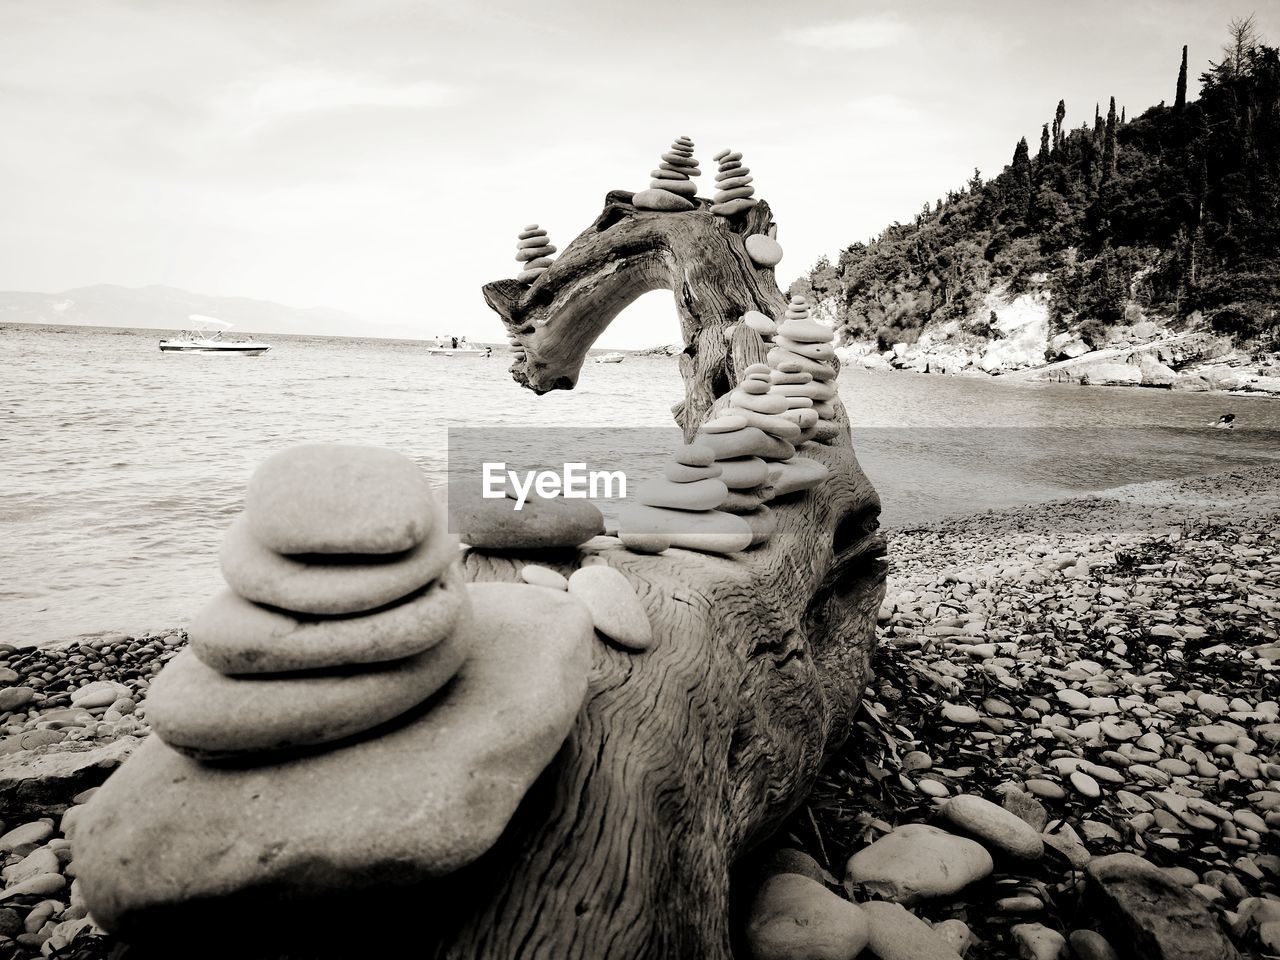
{"points": [[534, 251], [804, 371], [345, 610], [681, 509], [734, 192], [672, 188]]}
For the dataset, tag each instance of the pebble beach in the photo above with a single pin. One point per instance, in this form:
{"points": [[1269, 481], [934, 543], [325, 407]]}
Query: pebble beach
{"points": [[1072, 734]]}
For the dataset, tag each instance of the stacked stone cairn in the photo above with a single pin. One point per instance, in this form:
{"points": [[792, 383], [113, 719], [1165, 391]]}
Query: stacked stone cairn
{"points": [[533, 252], [679, 509], [346, 609], [350, 716], [734, 192], [803, 372], [672, 187], [748, 437]]}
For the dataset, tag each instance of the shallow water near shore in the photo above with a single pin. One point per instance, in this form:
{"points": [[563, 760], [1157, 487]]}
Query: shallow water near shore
{"points": [[120, 467]]}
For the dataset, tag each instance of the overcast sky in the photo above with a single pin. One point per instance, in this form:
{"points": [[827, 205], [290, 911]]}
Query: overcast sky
{"points": [[379, 156]]}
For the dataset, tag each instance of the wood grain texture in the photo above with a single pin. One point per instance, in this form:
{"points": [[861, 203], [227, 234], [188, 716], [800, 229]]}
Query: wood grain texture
{"points": [[699, 256], [687, 756]]}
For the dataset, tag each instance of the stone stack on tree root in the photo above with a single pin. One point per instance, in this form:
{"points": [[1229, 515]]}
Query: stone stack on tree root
{"points": [[802, 358], [533, 252], [680, 509], [672, 188], [734, 192]]}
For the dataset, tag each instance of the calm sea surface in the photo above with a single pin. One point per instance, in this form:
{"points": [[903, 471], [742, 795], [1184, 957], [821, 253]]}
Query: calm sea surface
{"points": [[120, 467]]}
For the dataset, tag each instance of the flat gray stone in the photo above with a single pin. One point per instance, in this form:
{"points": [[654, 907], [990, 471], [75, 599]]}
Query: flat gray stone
{"points": [[798, 473], [661, 200], [764, 250], [916, 862], [994, 825], [541, 523], [42, 781], [197, 710], [234, 636], [339, 586]]}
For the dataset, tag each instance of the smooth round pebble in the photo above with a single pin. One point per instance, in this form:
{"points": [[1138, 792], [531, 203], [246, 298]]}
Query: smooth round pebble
{"points": [[616, 610], [540, 576]]}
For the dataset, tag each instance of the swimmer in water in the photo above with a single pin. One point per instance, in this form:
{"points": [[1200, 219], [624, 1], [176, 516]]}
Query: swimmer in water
{"points": [[1226, 422]]}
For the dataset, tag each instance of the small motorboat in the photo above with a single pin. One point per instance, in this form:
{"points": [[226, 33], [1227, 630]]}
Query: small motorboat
{"points": [[610, 358], [463, 350], [205, 337]]}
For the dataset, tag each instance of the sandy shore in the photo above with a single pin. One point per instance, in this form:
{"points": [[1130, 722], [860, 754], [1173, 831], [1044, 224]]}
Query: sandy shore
{"points": [[1112, 661]]}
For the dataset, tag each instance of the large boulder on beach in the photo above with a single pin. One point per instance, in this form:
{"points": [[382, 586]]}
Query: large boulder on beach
{"points": [[916, 862], [1152, 915], [429, 794]]}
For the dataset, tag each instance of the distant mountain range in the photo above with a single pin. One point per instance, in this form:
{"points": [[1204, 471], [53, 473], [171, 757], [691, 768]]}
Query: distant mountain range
{"points": [[108, 305]]}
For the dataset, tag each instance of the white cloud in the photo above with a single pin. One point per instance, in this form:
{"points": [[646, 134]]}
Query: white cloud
{"points": [[861, 33], [292, 91]]}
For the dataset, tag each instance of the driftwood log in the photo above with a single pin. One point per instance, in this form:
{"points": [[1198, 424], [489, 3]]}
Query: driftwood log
{"points": [[688, 757]]}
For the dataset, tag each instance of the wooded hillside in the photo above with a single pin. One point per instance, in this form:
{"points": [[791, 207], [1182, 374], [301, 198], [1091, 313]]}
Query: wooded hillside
{"points": [[1173, 214]]}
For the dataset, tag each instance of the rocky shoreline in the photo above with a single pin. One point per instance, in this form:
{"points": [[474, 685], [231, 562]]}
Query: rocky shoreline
{"points": [[1106, 670], [1141, 355]]}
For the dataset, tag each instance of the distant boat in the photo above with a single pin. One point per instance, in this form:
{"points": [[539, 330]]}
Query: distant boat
{"points": [[464, 350], [610, 358], [206, 337]]}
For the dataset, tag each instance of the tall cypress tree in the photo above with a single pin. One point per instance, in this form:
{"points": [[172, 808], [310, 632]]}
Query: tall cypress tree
{"points": [[1059, 115], [1109, 144], [1043, 156], [1019, 193], [1180, 98]]}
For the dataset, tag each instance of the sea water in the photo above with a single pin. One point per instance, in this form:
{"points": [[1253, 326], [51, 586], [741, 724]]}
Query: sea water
{"points": [[120, 466]]}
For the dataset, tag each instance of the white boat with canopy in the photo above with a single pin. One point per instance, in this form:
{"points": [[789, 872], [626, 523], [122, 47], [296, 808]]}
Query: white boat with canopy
{"points": [[205, 336]]}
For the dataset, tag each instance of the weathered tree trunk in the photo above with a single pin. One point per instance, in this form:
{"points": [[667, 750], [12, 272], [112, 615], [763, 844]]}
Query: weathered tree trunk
{"points": [[686, 756], [699, 256]]}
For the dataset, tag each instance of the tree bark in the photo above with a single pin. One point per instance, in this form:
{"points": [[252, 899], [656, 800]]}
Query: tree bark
{"points": [[699, 256], [686, 757]]}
